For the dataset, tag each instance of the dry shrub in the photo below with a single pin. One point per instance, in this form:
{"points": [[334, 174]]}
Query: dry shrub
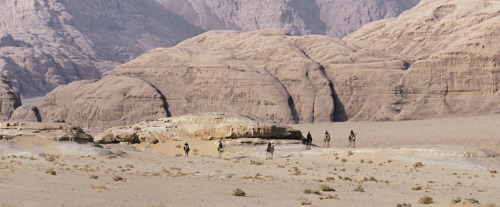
{"points": [[425, 200], [349, 153], [417, 165], [343, 160], [51, 171], [239, 192], [253, 162], [456, 200], [328, 197], [295, 171], [50, 158], [404, 205], [178, 146], [117, 178], [417, 187], [329, 178], [359, 189], [94, 177], [304, 201], [326, 188]]}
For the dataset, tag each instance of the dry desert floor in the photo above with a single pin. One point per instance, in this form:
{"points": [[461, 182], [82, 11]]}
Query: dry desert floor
{"points": [[393, 163]]}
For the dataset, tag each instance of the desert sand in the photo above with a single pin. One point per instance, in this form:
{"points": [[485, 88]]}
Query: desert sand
{"points": [[393, 163]]}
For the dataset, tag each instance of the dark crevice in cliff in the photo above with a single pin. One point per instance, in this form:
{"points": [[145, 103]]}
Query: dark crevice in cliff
{"points": [[164, 100]]}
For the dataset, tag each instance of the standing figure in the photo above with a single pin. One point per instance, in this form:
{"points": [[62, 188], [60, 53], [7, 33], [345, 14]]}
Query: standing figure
{"points": [[220, 149], [308, 141], [352, 140], [326, 143], [186, 149], [269, 151]]}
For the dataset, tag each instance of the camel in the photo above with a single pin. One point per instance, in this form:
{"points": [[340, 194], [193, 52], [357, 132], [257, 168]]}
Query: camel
{"points": [[308, 141], [326, 143], [186, 149], [352, 140], [269, 151], [220, 149]]}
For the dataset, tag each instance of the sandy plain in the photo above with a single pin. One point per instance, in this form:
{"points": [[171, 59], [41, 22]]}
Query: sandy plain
{"points": [[459, 158]]}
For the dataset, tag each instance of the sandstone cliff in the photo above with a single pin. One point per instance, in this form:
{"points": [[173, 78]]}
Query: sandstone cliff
{"points": [[206, 126], [456, 47], [263, 73]]}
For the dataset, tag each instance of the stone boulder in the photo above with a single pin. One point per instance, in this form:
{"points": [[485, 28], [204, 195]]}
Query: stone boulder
{"points": [[50, 131], [204, 126], [26, 114]]}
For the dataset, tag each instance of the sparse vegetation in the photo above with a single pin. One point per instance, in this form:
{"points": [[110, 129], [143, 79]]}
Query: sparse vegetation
{"points": [[343, 160], [456, 200], [295, 171], [359, 189], [94, 177], [309, 191], [304, 201], [239, 192], [404, 205], [418, 165], [329, 178], [328, 197], [326, 188], [417, 187], [117, 178], [51, 171], [50, 158], [425, 200], [253, 162]]}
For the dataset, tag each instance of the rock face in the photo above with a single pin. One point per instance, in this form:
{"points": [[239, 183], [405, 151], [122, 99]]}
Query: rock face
{"points": [[44, 44], [51, 131], [455, 45], [206, 126], [108, 102], [9, 99], [263, 73]]}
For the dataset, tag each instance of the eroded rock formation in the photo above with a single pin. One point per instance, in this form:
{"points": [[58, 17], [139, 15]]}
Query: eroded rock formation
{"points": [[9, 99], [205, 126], [50, 131], [108, 102], [264, 73]]}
